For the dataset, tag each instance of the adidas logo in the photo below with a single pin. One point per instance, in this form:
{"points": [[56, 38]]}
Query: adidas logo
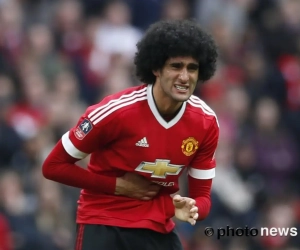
{"points": [[142, 143]]}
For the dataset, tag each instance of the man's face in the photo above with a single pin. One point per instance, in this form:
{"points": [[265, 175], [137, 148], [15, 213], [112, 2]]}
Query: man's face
{"points": [[178, 78]]}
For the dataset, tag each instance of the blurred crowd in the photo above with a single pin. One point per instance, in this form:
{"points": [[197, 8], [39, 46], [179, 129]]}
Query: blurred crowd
{"points": [[59, 56]]}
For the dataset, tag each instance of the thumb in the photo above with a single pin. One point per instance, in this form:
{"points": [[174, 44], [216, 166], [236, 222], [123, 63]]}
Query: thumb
{"points": [[177, 199]]}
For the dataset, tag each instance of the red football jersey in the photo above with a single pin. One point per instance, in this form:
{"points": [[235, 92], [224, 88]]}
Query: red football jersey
{"points": [[125, 132]]}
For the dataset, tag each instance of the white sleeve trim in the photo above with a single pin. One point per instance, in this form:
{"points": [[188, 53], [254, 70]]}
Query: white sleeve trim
{"points": [[202, 174], [71, 149]]}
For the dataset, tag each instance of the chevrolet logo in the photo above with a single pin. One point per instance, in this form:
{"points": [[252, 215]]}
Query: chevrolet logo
{"points": [[159, 168]]}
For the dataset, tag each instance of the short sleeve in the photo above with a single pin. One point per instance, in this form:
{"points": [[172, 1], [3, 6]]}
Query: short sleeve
{"points": [[86, 136], [203, 165]]}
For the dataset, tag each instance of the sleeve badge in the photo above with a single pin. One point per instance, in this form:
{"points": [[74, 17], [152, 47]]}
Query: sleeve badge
{"points": [[83, 129]]}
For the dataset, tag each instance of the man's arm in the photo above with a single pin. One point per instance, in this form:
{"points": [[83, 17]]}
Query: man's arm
{"points": [[200, 191], [136, 186], [189, 209], [59, 166], [202, 171]]}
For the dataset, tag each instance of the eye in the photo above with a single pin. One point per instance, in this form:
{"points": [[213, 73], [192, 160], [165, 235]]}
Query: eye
{"points": [[176, 65], [193, 67]]}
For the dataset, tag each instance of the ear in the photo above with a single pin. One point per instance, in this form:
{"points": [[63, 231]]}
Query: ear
{"points": [[156, 72]]}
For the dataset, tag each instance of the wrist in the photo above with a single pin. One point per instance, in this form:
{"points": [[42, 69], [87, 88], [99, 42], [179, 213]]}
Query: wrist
{"points": [[119, 186]]}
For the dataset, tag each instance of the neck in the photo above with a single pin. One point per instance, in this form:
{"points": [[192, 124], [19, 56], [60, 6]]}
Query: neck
{"points": [[164, 104]]}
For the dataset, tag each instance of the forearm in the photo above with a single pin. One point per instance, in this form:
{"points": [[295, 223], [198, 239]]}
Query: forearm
{"points": [[60, 167], [200, 191]]}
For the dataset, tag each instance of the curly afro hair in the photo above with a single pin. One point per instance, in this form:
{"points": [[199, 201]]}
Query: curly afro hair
{"points": [[173, 38]]}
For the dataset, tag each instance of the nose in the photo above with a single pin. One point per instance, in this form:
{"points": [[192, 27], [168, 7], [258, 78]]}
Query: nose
{"points": [[184, 76]]}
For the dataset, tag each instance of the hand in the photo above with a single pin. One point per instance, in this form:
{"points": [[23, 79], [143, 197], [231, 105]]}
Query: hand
{"points": [[185, 209], [136, 186]]}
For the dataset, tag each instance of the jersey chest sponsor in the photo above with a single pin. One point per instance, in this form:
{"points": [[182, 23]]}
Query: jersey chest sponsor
{"points": [[161, 168]]}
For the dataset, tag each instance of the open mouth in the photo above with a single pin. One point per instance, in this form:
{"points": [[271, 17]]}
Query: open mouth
{"points": [[181, 88]]}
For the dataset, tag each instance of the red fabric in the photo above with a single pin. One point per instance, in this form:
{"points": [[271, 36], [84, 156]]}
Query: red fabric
{"points": [[60, 166], [200, 191], [124, 133], [5, 235], [79, 238]]}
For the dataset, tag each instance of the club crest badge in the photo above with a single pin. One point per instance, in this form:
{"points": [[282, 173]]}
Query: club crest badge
{"points": [[189, 146], [83, 129]]}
